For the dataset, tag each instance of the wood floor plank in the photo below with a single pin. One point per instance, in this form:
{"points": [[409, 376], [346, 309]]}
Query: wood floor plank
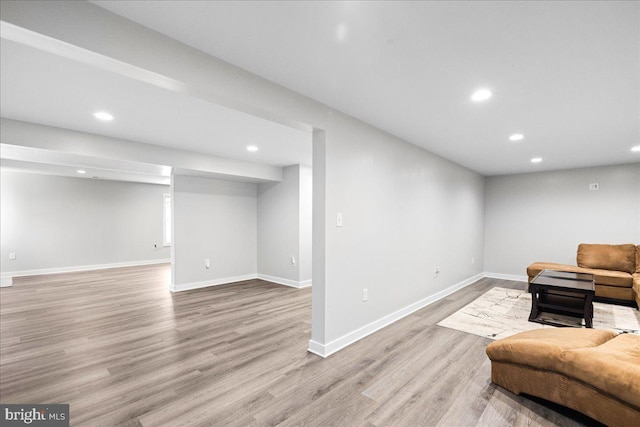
{"points": [[470, 403], [123, 350]]}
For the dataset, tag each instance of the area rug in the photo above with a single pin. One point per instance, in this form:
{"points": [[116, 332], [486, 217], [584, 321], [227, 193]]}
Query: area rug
{"points": [[503, 312]]}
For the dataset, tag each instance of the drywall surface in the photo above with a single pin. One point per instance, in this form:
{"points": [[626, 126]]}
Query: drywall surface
{"points": [[53, 222], [544, 216], [405, 210], [213, 220], [278, 226], [306, 210], [284, 227]]}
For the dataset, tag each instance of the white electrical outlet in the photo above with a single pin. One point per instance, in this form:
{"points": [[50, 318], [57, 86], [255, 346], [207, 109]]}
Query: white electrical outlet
{"points": [[293, 260], [436, 271], [12, 255], [594, 186], [339, 219], [207, 263], [365, 294]]}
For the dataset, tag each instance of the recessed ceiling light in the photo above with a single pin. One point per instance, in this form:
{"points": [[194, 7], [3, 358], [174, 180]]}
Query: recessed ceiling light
{"points": [[516, 137], [636, 149], [252, 148], [536, 160], [341, 32], [481, 95], [103, 115], [80, 171]]}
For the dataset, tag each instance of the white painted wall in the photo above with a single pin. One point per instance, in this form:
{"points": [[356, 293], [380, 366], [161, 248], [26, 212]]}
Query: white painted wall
{"points": [[544, 216], [57, 223], [306, 210], [280, 228], [405, 210], [217, 220]]}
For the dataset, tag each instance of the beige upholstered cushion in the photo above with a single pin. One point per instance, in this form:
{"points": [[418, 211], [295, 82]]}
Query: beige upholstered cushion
{"points": [[537, 267], [566, 391], [607, 257], [601, 277], [588, 370], [613, 367], [638, 259], [614, 292], [611, 277], [543, 348]]}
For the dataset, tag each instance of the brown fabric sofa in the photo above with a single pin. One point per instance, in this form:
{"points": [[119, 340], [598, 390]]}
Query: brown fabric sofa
{"points": [[616, 270], [596, 372]]}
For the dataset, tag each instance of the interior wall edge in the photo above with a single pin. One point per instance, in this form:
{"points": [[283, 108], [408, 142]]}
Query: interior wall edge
{"points": [[326, 350], [282, 281], [79, 268]]}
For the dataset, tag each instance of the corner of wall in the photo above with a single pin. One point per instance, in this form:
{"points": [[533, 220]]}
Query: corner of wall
{"points": [[325, 350], [6, 281], [512, 277], [286, 282]]}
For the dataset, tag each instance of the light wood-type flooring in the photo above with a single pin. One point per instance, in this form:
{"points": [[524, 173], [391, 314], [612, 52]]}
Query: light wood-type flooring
{"points": [[123, 350]]}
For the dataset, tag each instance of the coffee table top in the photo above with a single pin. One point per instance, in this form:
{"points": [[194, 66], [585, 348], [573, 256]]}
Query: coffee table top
{"points": [[565, 279]]}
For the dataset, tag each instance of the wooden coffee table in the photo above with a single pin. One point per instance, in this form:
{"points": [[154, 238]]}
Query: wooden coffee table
{"points": [[564, 293]]}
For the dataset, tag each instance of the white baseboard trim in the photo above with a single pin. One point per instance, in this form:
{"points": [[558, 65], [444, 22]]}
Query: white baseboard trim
{"points": [[214, 282], [226, 280], [6, 281], [286, 282], [325, 350], [316, 348], [513, 277], [305, 283], [74, 269]]}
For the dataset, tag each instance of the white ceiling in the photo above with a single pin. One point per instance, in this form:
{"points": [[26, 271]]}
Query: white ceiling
{"points": [[565, 74], [49, 168], [48, 162], [44, 88]]}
